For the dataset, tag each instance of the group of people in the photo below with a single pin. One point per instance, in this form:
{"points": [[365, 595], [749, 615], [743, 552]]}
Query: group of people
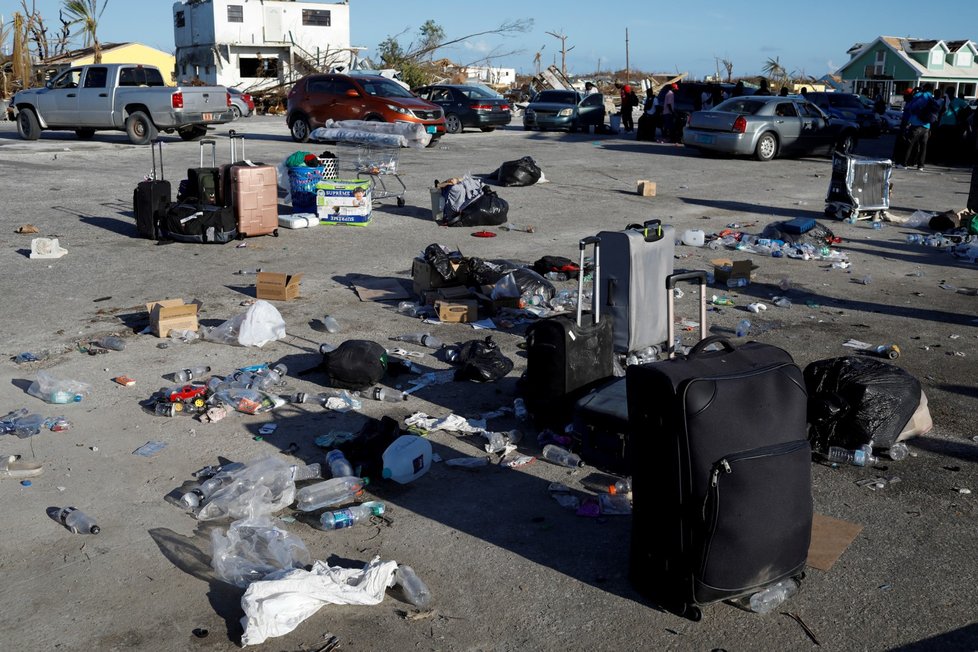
{"points": [[948, 120]]}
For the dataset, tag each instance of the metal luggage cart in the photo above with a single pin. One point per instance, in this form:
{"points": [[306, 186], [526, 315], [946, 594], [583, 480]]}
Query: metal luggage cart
{"points": [[859, 188], [377, 163]]}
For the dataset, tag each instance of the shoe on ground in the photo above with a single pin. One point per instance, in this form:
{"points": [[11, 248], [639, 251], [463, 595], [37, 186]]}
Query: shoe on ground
{"points": [[920, 168], [11, 466]]}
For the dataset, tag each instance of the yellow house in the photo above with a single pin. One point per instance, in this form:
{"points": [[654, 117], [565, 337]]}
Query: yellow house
{"points": [[120, 53]]}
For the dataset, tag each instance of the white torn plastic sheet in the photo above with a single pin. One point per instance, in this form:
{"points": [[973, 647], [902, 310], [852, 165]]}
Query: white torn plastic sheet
{"points": [[260, 324], [279, 603], [47, 248], [451, 423]]}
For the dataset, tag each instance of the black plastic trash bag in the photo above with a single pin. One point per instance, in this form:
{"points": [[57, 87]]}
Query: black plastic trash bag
{"points": [[523, 172], [817, 236], [481, 361], [488, 210], [559, 264], [483, 272], [355, 364], [443, 260], [853, 400], [530, 283]]}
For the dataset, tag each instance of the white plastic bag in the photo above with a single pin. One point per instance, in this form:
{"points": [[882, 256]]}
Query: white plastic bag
{"points": [[55, 390], [47, 248], [259, 488], [260, 324], [254, 547], [506, 288]]}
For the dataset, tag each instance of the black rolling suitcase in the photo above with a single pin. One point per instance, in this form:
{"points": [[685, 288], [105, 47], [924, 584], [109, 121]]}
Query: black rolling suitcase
{"points": [[566, 357], [600, 420], [203, 183], [721, 485], [151, 198]]}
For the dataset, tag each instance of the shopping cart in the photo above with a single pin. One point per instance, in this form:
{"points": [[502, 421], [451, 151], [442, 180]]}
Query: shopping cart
{"points": [[859, 188], [377, 163]]}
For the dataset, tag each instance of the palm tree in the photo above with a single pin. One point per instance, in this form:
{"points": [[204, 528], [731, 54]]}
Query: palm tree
{"points": [[87, 14], [775, 70]]}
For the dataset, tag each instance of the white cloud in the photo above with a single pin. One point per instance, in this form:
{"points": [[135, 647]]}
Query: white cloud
{"points": [[831, 65], [480, 47]]}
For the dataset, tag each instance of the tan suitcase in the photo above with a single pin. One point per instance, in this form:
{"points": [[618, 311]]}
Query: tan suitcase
{"points": [[251, 189]]}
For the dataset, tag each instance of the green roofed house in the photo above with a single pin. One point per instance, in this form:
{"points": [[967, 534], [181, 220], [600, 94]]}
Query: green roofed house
{"points": [[891, 65]]}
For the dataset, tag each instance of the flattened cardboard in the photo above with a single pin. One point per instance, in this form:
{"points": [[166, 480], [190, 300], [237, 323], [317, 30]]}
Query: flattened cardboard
{"points": [[172, 314], [457, 311], [725, 269], [381, 289], [276, 286], [830, 538], [646, 188]]}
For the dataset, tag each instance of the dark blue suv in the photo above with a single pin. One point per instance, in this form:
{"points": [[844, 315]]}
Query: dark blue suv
{"points": [[848, 106], [468, 105]]}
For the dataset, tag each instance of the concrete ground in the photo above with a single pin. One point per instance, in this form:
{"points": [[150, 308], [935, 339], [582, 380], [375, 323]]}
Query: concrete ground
{"points": [[508, 567]]}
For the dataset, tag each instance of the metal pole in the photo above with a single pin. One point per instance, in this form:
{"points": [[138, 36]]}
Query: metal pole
{"points": [[628, 72]]}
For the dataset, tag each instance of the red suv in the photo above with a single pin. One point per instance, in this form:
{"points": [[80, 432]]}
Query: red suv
{"points": [[314, 99]]}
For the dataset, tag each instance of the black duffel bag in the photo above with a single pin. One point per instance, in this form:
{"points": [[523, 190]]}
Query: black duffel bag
{"points": [[355, 364], [488, 210], [199, 224]]}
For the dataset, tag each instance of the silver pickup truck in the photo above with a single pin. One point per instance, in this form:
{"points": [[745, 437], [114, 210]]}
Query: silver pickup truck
{"points": [[120, 97]]}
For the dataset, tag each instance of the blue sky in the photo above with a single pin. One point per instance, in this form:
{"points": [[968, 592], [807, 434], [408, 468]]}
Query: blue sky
{"points": [[663, 37]]}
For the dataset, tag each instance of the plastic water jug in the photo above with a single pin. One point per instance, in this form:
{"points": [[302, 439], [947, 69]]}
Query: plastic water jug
{"points": [[694, 237], [407, 459]]}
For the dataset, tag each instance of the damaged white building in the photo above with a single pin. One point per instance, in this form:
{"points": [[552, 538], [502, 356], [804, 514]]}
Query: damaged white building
{"points": [[259, 44]]}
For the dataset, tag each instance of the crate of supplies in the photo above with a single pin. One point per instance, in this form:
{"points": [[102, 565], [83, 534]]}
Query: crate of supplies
{"points": [[344, 201]]}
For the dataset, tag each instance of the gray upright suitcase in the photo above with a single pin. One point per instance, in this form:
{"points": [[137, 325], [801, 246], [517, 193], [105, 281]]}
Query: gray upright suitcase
{"points": [[634, 267]]}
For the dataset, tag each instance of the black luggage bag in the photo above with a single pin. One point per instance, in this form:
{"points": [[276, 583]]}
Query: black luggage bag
{"points": [[566, 357], [722, 474], [600, 419], [203, 183], [151, 198], [201, 224]]}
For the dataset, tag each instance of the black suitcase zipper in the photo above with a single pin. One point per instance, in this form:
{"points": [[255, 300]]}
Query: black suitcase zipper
{"points": [[711, 511]]}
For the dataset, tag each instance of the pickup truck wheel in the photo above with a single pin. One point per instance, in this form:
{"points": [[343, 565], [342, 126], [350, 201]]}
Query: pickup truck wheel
{"points": [[84, 134], [140, 128], [193, 133], [27, 125], [300, 130]]}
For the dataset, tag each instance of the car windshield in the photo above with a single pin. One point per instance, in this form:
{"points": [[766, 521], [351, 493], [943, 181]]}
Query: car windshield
{"points": [[557, 97], [478, 92], [740, 105], [383, 87]]}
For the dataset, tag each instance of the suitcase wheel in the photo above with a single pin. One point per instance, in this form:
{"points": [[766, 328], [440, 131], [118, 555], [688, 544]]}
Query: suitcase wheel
{"points": [[400, 202], [692, 612], [275, 233]]}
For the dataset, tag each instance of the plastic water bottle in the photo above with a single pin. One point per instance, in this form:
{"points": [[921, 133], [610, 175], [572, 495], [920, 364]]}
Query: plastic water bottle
{"points": [[343, 518], [329, 492], [857, 457], [407, 459], [915, 238], [305, 471], [191, 373], [555, 276], [266, 378], [738, 282], [61, 397], [498, 441], [519, 410], [339, 466], [898, 451], [621, 487], [326, 347], [409, 308], [877, 225], [424, 339], [561, 456], [415, 591], [767, 600], [78, 521], [112, 342], [743, 328], [389, 395], [332, 326]]}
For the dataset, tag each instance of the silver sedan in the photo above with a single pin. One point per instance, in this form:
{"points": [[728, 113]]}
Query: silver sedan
{"points": [[767, 127]]}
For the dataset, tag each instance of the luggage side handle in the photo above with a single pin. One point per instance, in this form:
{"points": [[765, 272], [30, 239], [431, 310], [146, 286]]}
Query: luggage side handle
{"points": [[712, 339], [595, 302], [671, 281]]}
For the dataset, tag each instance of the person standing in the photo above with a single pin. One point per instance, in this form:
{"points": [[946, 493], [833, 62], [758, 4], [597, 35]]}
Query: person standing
{"points": [[669, 113], [589, 89], [919, 121], [763, 90], [629, 100]]}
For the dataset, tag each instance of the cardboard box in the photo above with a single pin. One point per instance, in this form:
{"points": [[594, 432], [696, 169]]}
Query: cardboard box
{"points": [[172, 314], [344, 201], [275, 286], [725, 270], [646, 188], [425, 278], [457, 310]]}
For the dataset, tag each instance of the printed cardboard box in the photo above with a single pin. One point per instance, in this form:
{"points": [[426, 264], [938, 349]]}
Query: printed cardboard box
{"points": [[344, 201]]}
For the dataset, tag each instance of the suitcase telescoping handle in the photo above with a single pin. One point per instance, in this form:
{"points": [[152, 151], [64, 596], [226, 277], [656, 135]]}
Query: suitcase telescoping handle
{"points": [[596, 241], [671, 282], [232, 137], [152, 147], [213, 144]]}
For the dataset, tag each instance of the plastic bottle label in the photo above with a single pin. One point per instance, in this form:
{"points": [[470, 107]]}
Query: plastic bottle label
{"points": [[342, 519]]}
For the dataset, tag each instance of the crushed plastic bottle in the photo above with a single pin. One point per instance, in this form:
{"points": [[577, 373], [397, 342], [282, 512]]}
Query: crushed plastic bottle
{"points": [[332, 326], [858, 457], [561, 456], [78, 521], [415, 591], [112, 342], [306, 471], [249, 401], [767, 600], [498, 441], [519, 410], [339, 466], [388, 395], [897, 452], [743, 328], [329, 492], [350, 516], [424, 339], [410, 308], [191, 373], [621, 487]]}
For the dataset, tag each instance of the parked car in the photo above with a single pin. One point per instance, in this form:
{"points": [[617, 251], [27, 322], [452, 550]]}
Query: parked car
{"points": [[468, 105], [848, 106], [689, 98], [568, 110], [122, 97], [241, 103], [769, 126], [314, 99], [890, 120]]}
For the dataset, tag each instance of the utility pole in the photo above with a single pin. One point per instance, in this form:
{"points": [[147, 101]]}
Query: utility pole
{"points": [[563, 51], [628, 72]]}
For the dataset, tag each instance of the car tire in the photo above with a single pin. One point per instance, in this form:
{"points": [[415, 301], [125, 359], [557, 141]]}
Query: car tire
{"points": [[846, 144], [767, 147], [28, 127], [85, 133], [527, 128], [236, 111], [373, 117], [453, 124], [300, 129], [192, 133], [487, 129], [572, 129], [140, 128], [434, 140]]}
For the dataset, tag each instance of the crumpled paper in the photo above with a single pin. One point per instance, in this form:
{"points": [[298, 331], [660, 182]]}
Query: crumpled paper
{"points": [[47, 248], [279, 603]]}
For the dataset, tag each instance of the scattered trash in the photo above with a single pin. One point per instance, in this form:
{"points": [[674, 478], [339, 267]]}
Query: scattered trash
{"points": [[150, 448], [125, 381], [54, 390], [25, 229], [12, 466], [516, 227], [561, 456], [25, 483], [78, 521], [46, 248], [805, 627], [254, 548], [964, 490], [200, 632]]}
